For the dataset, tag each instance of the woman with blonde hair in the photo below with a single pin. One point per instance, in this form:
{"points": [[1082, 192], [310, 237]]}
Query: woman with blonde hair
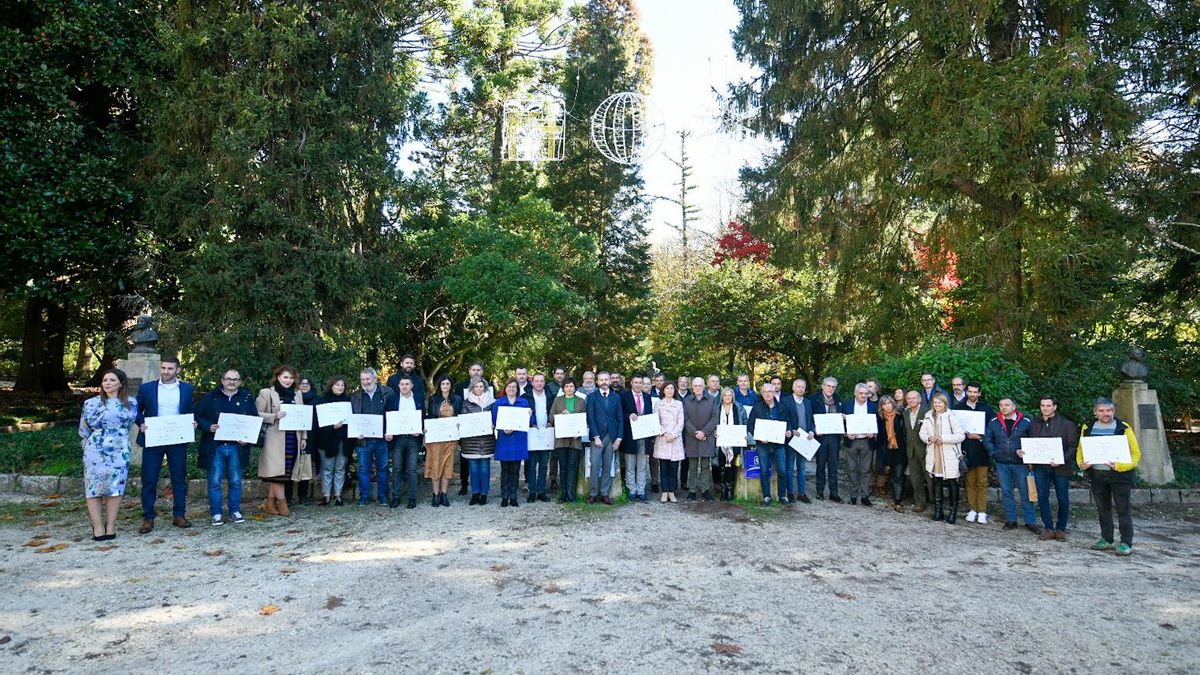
{"points": [[280, 448], [943, 436]]}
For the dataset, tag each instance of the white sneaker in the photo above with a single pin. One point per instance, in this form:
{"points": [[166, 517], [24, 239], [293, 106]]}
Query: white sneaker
{"points": [[982, 519], [217, 521], [237, 517], [971, 516]]}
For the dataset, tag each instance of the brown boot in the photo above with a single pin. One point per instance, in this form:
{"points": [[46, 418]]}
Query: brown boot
{"points": [[268, 507], [181, 521], [147, 526], [281, 505]]}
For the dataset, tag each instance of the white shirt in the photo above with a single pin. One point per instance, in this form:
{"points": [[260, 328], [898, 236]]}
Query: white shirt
{"points": [[861, 408], [406, 402], [539, 408], [168, 398]]}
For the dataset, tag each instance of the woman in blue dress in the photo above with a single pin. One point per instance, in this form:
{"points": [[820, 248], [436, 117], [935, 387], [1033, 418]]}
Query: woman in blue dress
{"points": [[104, 428]]}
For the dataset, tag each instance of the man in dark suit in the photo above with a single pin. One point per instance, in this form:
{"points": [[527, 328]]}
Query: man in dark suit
{"points": [[824, 402], [860, 448], [605, 426], [914, 449], [801, 410], [635, 403], [161, 398]]}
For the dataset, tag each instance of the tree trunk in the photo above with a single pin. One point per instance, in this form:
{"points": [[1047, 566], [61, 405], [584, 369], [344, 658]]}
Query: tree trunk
{"points": [[83, 356], [114, 318], [43, 347]]}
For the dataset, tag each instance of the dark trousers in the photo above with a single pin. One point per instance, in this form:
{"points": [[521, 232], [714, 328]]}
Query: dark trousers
{"points": [[684, 466], [405, 453], [464, 471], [898, 480], [723, 472], [669, 475], [152, 459], [1109, 489], [568, 470], [827, 464], [510, 479]]}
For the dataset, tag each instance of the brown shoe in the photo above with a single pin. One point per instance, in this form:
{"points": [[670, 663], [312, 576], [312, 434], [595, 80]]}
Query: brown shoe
{"points": [[1046, 535], [147, 526], [268, 507], [282, 507], [180, 521], [1060, 535], [919, 509]]}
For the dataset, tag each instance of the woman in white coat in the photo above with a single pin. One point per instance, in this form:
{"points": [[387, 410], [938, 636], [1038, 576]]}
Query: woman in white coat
{"points": [[668, 447], [943, 436]]}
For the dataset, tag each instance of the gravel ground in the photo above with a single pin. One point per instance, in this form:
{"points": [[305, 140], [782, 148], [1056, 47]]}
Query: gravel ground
{"points": [[638, 588]]}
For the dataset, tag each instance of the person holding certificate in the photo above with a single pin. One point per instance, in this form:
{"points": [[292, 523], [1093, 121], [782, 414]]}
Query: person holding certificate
{"points": [[668, 447], [478, 450], [725, 472], [512, 447], [1111, 482], [161, 398], [860, 447], [280, 448], [104, 427], [1049, 424], [825, 402], [219, 458], [891, 443], [771, 452], [914, 451], [699, 439], [943, 436], [978, 460], [1003, 443], [801, 409], [464, 388], [605, 428], [406, 448], [333, 445], [304, 488], [540, 400], [635, 402], [569, 450], [439, 456], [372, 398]]}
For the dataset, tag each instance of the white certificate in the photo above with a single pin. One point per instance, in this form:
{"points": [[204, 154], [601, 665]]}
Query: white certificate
{"points": [[441, 429], [364, 426], [512, 418], [232, 427], [972, 421], [646, 426], [298, 417], [731, 435], [570, 425], [338, 412], [1101, 449], [861, 424], [471, 425], [403, 422], [1042, 450], [169, 430], [807, 448], [770, 431], [828, 423], [541, 439]]}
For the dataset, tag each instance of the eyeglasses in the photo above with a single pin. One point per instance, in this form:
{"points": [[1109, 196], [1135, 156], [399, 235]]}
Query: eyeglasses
{"points": [[231, 379]]}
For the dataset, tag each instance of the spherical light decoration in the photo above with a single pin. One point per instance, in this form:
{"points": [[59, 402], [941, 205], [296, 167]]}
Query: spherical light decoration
{"points": [[627, 128]]}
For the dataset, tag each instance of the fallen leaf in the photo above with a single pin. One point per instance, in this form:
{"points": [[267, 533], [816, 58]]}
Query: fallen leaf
{"points": [[56, 495], [157, 541], [179, 547], [726, 648], [51, 549], [1168, 626], [1049, 591], [288, 570], [259, 517], [5, 640], [36, 542], [106, 547], [499, 568], [334, 602], [194, 533], [552, 588], [279, 543], [215, 553], [268, 610], [294, 531], [844, 596]]}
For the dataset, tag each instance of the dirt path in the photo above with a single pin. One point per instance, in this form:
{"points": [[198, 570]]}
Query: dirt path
{"points": [[640, 588]]}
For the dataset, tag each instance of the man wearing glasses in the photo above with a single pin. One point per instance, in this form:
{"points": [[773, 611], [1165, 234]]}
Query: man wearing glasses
{"points": [[221, 458]]}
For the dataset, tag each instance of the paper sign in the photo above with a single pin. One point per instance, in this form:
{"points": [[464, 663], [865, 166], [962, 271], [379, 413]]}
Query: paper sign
{"points": [[1042, 450], [1104, 449], [861, 425], [338, 412], [169, 430], [829, 423], [541, 439], [972, 421], [732, 435], [570, 425], [403, 422], [807, 448], [512, 418], [364, 426], [233, 428], [770, 431], [441, 429], [646, 426], [471, 425], [298, 417]]}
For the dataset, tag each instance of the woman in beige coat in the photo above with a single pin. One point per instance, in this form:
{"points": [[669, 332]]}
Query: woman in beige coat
{"points": [[668, 447], [943, 436], [280, 448]]}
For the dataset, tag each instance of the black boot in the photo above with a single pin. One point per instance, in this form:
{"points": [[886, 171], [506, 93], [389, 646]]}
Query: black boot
{"points": [[938, 502], [953, 508]]}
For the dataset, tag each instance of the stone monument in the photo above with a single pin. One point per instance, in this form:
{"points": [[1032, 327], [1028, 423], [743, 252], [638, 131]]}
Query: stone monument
{"points": [[141, 366], [1137, 405]]}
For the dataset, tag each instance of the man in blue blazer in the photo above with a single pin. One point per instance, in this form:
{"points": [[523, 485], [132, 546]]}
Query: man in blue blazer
{"points": [[801, 410], [860, 448], [605, 425], [165, 396]]}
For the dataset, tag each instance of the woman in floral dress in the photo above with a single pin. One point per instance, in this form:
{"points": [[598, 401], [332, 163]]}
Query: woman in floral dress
{"points": [[104, 428]]}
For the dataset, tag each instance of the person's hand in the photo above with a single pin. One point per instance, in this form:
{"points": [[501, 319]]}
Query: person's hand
{"points": [[241, 442], [213, 428], [303, 443], [507, 432], [870, 435], [597, 442], [937, 440], [360, 437], [281, 414], [811, 435], [1053, 464], [1112, 465], [974, 437], [632, 417], [1085, 466], [142, 426], [1020, 453], [700, 435], [616, 444], [338, 425], [388, 438], [787, 434]]}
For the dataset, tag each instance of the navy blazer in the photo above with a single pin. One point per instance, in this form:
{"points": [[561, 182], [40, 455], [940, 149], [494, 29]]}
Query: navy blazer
{"points": [[629, 407], [147, 399], [208, 413], [802, 412], [549, 404], [604, 415], [418, 389], [818, 408]]}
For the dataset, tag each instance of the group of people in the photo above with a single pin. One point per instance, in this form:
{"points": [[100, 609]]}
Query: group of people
{"points": [[919, 449]]}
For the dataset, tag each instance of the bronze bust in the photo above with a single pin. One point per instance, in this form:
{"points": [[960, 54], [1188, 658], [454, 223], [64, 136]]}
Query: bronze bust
{"points": [[1134, 370]]}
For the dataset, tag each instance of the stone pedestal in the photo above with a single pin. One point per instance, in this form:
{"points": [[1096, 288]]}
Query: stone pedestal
{"points": [[1137, 405], [139, 368]]}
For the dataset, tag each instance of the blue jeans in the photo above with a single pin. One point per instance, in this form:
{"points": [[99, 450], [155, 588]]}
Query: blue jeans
{"points": [[373, 451], [772, 456], [1013, 476], [797, 472], [226, 458], [151, 468], [827, 464], [539, 465], [1044, 475], [481, 476]]}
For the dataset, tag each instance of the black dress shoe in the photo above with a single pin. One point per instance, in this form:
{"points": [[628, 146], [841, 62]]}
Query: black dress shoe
{"points": [[514, 502], [462, 490], [805, 500], [691, 496], [791, 496], [543, 498], [531, 498], [474, 500], [482, 499], [654, 488], [835, 499], [591, 500], [394, 503], [607, 501], [412, 503], [337, 501], [1010, 526], [708, 495], [866, 501], [853, 501], [504, 502], [562, 499], [821, 496]]}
